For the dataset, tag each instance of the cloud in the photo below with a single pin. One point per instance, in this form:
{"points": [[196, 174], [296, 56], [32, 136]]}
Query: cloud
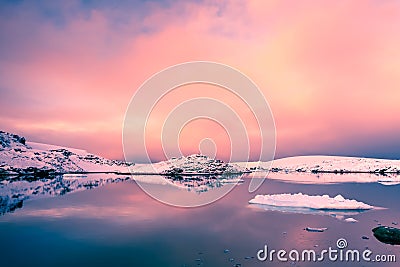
{"points": [[330, 70]]}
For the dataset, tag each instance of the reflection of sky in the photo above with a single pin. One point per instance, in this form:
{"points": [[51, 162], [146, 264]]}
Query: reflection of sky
{"points": [[330, 70], [119, 219]]}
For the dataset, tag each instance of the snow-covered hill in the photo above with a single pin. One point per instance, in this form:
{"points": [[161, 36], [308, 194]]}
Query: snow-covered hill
{"points": [[326, 164], [17, 156]]}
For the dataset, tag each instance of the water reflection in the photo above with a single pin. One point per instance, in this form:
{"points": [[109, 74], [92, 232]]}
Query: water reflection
{"points": [[338, 214], [330, 178], [14, 190], [201, 184], [118, 224], [172, 189]]}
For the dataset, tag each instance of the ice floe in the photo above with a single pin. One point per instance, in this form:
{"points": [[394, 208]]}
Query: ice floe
{"points": [[351, 220], [316, 202], [337, 207]]}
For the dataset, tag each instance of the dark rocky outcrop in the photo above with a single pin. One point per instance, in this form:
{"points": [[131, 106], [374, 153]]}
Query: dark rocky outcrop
{"points": [[200, 164], [7, 139], [387, 235]]}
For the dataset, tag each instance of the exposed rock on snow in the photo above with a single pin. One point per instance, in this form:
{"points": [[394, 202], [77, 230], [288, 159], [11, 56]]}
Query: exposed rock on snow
{"points": [[190, 165]]}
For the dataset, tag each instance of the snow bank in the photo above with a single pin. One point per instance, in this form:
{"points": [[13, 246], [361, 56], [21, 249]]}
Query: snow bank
{"points": [[317, 202], [321, 164]]}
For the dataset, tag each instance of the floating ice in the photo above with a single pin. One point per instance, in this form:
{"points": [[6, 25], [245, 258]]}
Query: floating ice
{"points": [[317, 202], [352, 220]]}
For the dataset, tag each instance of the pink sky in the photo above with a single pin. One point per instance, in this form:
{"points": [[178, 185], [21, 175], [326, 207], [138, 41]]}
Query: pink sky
{"points": [[330, 70]]}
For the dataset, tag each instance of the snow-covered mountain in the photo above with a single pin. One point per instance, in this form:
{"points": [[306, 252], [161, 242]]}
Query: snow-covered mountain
{"points": [[326, 164], [17, 156]]}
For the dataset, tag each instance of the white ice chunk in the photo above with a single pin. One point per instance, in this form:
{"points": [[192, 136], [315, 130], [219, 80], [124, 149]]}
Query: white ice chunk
{"points": [[352, 220], [316, 202]]}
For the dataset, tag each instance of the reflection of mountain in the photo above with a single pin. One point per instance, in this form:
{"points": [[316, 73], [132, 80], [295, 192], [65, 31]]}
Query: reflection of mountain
{"points": [[15, 190], [202, 183]]}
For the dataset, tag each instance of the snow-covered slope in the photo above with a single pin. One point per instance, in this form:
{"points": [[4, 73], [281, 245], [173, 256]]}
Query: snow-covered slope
{"points": [[20, 157], [330, 164]]}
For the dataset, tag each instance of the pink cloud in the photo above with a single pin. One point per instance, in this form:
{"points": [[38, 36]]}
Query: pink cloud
{"points": [[330, 70]]}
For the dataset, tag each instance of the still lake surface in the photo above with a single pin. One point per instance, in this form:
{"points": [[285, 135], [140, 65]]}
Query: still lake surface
{"points": [[120, 225]]}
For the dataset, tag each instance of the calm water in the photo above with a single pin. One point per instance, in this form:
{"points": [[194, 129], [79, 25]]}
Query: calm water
{"points": [[119, 225]]}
